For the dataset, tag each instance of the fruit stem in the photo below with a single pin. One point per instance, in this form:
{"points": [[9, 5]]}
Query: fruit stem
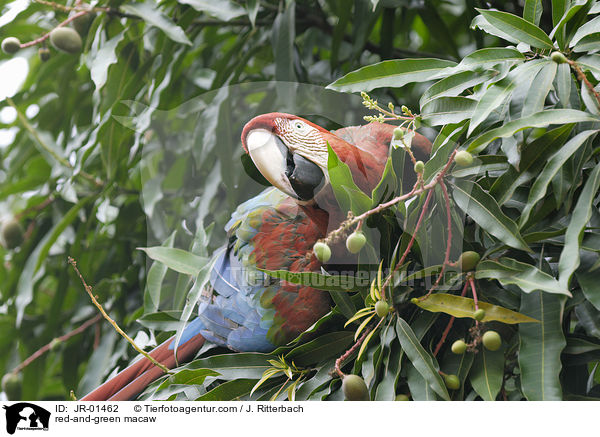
{"points": [[581, 76], [341, 359], [47, 35], [449, 326]]}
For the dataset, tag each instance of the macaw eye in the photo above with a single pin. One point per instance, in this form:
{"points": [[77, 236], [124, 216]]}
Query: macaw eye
{"points": [[299, 125]]}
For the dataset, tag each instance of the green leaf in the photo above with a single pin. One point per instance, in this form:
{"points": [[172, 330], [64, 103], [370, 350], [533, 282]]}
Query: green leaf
{"points": [[150, 13], [487, 373], [461, 307], [316, 280], [446, 110], [540, 87], [282, 37], [156, 275], [532, 11], [553, 165], [592, 26], [569, 257], [484, 210], [235, 366], [590, 63], [540, 346], [562, 13], [527, 277], [488, 57], [176, 259], [589, 43], [452, 86], [229, 391], [521, 29], [326, 346], [340, 177], [539, 119], [394, 73], [225, 10], [533, 157], [103, 59], [420, 358], [587, 277], [480, 22], [387, 185], [188, 377]]}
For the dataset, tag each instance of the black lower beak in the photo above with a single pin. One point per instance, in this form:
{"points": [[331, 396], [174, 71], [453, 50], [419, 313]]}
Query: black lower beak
{"points": [[306, 177]]}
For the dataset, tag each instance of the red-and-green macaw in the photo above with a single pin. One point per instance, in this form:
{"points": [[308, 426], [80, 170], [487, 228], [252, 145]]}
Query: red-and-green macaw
{"points": [[243, 309]]}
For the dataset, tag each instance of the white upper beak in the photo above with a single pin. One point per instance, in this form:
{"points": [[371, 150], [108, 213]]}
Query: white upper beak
{"points": [[269, 158]]}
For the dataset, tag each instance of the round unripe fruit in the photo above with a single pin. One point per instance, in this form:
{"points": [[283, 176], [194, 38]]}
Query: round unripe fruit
{"points": [[44, 54], [558, 57], [402, 397], [82, 23], [12, 234], [479, 315], [355, 241], [11, 45], [382, 308], [468, 260], [322, 251], [66, 39], [398, 133], [419, 167], [11, 385], [459, 347], [491, 340], [452, 382], [463, 158], [354, 388]]}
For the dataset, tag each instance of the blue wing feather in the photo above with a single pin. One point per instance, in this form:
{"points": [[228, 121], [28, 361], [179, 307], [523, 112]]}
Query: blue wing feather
{"points": [[232, 315]]}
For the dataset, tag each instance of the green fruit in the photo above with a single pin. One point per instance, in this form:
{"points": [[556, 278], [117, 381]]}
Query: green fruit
{"points": [[11, 45], [11, 386], [491, 340], [355, 241], [66, 40], [558, 57], [419, 167], [382, 308], [398, 133], [402, 397], [82, 23], [468, 260], [479, 315], [322, 251], [44, 53], [463, 158], [12, 234], [459, 347], [452, 382], [354, 388]]}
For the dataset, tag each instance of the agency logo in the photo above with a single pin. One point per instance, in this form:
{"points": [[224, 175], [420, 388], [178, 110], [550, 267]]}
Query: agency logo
{"points": [[26, 417]]}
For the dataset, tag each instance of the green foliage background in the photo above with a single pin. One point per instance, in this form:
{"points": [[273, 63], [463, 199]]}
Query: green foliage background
{"points": [[91, 177]]}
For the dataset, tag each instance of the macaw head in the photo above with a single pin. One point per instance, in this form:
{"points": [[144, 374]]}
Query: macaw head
{"points": [[290, 152]]}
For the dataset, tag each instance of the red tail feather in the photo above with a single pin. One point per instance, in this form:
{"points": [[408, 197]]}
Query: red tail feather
{"points": [[135, 378]]}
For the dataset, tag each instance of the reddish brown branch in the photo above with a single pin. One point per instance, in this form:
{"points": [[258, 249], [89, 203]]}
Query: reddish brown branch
{"points": [[41, 351], [340, 360], [449, 326], [581, 76]]}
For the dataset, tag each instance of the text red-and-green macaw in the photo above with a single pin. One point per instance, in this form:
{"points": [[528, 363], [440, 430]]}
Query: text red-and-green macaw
{"points": [[244, 310]]}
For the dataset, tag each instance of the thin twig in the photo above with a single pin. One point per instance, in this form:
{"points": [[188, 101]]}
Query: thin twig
{"points": [[448, 241], [410, 243], [88, 289], [41, 351], [340, 360], [47, 35], [581, 76], [449, 326]]}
